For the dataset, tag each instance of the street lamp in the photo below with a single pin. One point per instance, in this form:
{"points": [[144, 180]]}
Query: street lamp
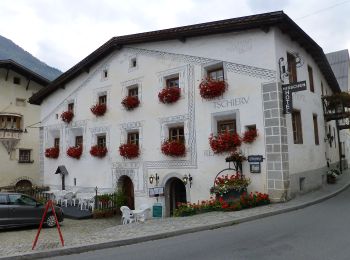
{"points": [[154, 178]]}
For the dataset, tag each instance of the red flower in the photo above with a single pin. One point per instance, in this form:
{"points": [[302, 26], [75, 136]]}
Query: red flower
{"points": [[98, 151], [130, 102], [52, 152], [67, 116], [169, 95], [129, 151], [75, 151], [249, 136], [210, 88], [224, 142], [173, 148], [99, 109]]}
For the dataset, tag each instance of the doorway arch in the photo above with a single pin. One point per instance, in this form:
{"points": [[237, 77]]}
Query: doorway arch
{"points": [[127, 187], [175, 192], [24, 184]]}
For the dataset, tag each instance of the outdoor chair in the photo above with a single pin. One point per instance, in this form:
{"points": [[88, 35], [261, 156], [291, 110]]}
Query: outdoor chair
{"points": [[144, 212], [67, 198], [127, 215]]}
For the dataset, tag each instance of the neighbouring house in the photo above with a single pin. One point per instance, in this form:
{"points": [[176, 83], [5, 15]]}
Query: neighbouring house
{"points": [[138, 112], [19, 148]]}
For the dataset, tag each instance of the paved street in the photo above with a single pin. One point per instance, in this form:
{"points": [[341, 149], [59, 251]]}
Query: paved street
{"points": [[318, 232]]}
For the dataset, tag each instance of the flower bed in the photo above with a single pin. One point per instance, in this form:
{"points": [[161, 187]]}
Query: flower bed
{"points": [[169, 95], [75, 152], [130, 102], [67, 116], [225, 183], [249, 136], [210, 88], [99, 109], [173, 148], [224, 142], [98, 151], [52, 152], [129, 151]]}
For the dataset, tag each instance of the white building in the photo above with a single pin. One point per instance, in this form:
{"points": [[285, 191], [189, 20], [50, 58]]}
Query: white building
{"points": [[252, 54]]}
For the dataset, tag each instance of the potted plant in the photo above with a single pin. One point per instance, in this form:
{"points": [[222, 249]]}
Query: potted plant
{"points": [[99, 109], [130, 102], [75, 151], [224, 142], [249, 136], [169, 95], [210, 88], [52, 152], [332, 175], [129, 151], [173, 148], [67, 116], [98, 151]]}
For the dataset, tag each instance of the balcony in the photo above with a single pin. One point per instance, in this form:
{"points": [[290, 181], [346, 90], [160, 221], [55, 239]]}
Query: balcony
{"points": [[10, 133], [10, 130]]}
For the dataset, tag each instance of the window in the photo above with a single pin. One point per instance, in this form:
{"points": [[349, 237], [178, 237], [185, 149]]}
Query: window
{"points": [[133, 92], [216, 74], [133, 138], [17, 80], [20, 199], [79, 141], [226, 125], [10, 122], [105, 73], [177, 134], [102, 99], [311, 79], [24, 156], [172, 82], [317, 141], [71, 107], [56, 142], [133, 63], [297, 129], [20, 102], [292, 68], [101, 141], [329, 135], [3, 199]]}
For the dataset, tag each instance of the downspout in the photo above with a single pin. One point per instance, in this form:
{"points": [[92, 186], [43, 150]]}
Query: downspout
{"points": [[339, 147]]}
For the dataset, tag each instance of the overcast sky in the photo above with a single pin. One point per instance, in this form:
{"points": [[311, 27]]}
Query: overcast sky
{"points": [[63, 32]]}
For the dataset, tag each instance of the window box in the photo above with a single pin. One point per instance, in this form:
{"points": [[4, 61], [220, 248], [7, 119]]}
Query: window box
{"points": [[249, 136], [173, 148], [130, 102], [67, 116], [169, 95], [210, 88], [99, 109], [75, 152], [52, 152], [129, 151], [224, 142], [98, 151]]}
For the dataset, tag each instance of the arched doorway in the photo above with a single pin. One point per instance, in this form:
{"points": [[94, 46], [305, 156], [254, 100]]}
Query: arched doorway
{"points": [[126, 185], [23, 184], [175, 192]]}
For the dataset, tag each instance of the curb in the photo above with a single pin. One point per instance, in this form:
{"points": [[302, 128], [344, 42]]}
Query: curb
{"points": [[104, 245]]}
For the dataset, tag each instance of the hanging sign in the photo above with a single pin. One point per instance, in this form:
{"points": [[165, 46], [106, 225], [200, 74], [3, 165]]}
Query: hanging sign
{"points": [[156, 191], [255, 158], [287, 90]]}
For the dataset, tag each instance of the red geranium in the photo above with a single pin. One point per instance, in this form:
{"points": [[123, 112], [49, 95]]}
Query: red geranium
{"points": [[224, 142], [173, 148], [130, 102], [169, 95], [249, 136], [99, 109], [129, 151], [67, 116], [210, 88], [98, 151], [75, 151], [52, 152]]}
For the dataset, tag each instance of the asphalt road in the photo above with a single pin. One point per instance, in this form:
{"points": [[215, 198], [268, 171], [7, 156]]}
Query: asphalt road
{"points": [[321, 231]]}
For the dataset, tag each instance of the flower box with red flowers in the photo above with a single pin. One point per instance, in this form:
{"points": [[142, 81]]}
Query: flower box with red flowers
{"points": [[249, 136], [173, 148], [98, 151], [210, 88], [75, 152], [129, 151], [224, 142], [226, 183], [130, 102], [67, 116], [99, 109], [52, 152], [169, 95]]}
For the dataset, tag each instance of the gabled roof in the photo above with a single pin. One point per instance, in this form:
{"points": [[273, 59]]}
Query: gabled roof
{"points": [[29, 74], [259, 21], [340, 63]]}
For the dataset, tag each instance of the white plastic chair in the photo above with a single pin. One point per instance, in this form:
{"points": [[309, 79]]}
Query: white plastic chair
{"points": [[127, 216], [67, 198], [143, 215]]}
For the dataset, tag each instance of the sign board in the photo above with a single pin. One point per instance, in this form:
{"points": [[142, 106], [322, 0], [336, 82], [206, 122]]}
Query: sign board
{"points": [[157, 210], [156, 191], [255, 168], [287, 90], [255, 158]]}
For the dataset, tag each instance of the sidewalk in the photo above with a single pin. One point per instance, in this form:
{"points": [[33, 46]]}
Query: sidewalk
{"points": [[112, 235]]}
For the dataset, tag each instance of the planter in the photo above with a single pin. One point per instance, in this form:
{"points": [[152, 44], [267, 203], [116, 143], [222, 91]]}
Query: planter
{"points": [[52, 152], [129, 151], [210, 89], [224, 142], [75, 152], [231, 195], [99, 109], [98, 151], [67, 116], [169, 95], [249, 136], [173, 148], [130, 102]]}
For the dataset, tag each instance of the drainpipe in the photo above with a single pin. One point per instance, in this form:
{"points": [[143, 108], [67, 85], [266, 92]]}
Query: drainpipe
{"points": [[339, 147]]}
